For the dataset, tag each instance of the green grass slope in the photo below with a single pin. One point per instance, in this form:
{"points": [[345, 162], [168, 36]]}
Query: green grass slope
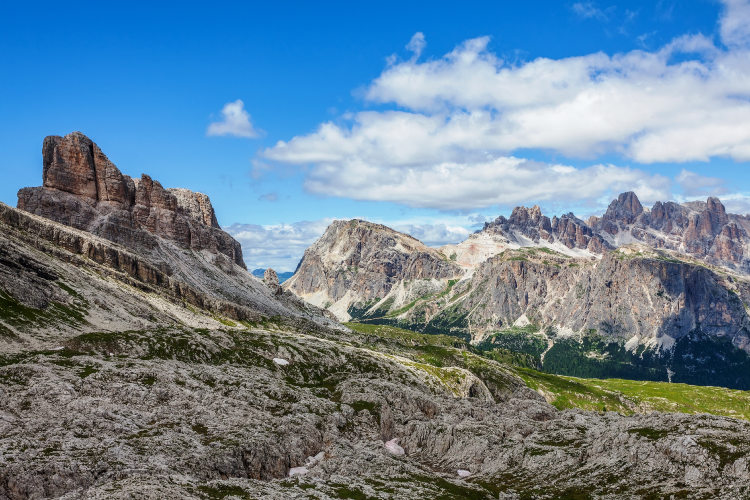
{"points": [[622, 396]]}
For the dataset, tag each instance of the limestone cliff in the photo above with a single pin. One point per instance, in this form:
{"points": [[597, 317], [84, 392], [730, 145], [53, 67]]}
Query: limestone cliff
{"points": [[356, 262], [82, 188]]}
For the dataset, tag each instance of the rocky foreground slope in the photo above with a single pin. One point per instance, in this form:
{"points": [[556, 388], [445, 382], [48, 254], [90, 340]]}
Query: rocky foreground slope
{"points": [[159, 371], [659, 294]]}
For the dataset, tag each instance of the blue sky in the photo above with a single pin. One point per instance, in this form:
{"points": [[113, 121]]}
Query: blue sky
{"points": [[427, 116]]}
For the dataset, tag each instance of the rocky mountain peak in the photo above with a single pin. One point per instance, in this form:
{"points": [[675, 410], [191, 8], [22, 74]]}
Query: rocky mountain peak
{"points": [[74, 164], [84, 189], [523, 215], [530, 224], [195, 205], [717, 212], [356, 261], [624, 210]]}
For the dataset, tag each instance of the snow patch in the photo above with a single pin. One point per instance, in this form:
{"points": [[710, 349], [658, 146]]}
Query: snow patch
{"points": [[280, 361], [663, 343], [463, 473], [393, 447]]}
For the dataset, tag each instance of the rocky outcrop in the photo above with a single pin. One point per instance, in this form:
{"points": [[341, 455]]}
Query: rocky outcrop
{"points": [[188, 413], [50, 250], [627, 294], [529, 224], [82, 188], [357, 262], [621, 212], [702, 230], [271, 279]]}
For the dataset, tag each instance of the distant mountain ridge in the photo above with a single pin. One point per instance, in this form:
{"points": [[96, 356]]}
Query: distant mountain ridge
{"points": [[633, 281]]}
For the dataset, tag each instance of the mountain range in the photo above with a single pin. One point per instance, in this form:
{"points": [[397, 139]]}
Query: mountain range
{"points": [[657, 294], [139, 358]]}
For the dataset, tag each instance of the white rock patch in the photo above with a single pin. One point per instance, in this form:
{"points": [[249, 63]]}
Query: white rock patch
{"points": [[632, 343], [393, 447], [280, 361], [298, 471], [314, 460], [522, 321]]}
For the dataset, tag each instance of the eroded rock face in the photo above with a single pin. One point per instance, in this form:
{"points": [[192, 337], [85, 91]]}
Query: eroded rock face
{"points": [[357, 261], [622, 211], [620, 296], [567, 230], [83, 189], [702, 230]]}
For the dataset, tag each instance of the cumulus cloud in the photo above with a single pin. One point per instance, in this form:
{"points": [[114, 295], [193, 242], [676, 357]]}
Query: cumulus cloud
{"points": [[278, 246], [693, 184], [642, 104], [281, 246], [459, 125], [734, 24], [434, 234], [420, 161], [235, 121]]}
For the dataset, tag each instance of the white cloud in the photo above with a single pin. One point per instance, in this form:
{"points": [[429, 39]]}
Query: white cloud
{"points": [[693, 184], [278, 246], [435, 234], [460, 124], [417, 44], [641, 104], [423, 161], [737, 203], [734, 24], [588, 10], [235, 121]]}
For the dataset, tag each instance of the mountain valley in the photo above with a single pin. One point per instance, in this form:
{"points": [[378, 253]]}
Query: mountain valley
{"points": [[140, 359]]}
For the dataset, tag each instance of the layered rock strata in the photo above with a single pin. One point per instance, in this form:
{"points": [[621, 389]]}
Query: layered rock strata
{"points": [[82, 188]]}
